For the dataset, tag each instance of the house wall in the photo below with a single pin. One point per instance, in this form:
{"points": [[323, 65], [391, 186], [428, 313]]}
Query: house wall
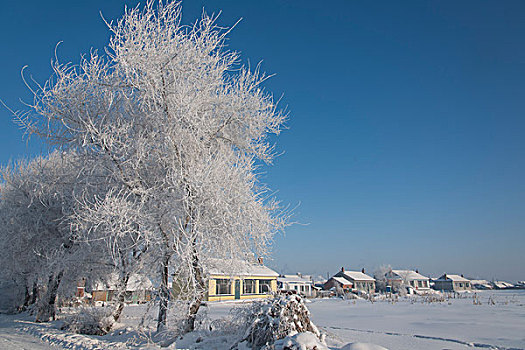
{"points": [[305, 288], [397, 284], [140, 296], [420, 284], [365, 286], [443, 285], [333, 283], [463, 286], [100, 295], [452, 286], [212, 287]]}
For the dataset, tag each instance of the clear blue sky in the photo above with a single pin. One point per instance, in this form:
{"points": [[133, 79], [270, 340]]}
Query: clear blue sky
{"points": [[406, 133]]}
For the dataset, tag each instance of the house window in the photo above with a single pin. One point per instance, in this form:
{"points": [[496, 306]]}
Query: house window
{"points": [[420, 284], [249, 286], [223, 286], [265, 287]]}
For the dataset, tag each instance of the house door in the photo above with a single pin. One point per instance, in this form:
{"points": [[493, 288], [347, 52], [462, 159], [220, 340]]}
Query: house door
{"points": [[237, 289]]}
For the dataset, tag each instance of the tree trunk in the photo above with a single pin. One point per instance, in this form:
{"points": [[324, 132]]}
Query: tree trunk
{"points": [[164, 295], [27, 298], [47, 308], [195, 304], [34, 295], [121, 298]]}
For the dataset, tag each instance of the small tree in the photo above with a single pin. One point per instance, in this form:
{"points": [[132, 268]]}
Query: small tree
{"points": [[179, 129], [380, 276]]}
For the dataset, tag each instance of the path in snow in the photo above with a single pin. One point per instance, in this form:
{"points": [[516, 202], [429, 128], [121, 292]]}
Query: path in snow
{"points": [[11, 338]]}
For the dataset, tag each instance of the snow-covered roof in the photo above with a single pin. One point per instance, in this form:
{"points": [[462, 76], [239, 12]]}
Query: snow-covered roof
{"points": [[409, 275], [502, 284], [453, 278], [357, 276], [238, 268], [342, 280], [480, 282], [135, 282], [294, 279], [319, 279]]}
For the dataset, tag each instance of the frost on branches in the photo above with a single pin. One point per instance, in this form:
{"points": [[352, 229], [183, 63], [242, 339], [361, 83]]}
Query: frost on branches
{"points": [[175, 130], [38, 249]]}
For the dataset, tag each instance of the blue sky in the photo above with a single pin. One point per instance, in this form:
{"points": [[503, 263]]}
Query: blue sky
{"points": [[405, 143]]}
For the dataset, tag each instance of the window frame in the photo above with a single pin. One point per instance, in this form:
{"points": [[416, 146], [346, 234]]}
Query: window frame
{"points": [[223, 282], [244, 284], [265, 283]]}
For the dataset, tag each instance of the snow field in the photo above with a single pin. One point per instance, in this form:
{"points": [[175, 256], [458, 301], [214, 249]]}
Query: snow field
{"points": [[496, 321], [411, 323]]}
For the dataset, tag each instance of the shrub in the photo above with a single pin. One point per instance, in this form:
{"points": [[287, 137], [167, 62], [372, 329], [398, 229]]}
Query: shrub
{"points": [[90, 321], [275, 319]]}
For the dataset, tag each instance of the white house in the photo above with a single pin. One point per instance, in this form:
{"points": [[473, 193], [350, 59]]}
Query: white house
{"points": [[409, 278], [299, 283], [480, 284], [454, 283], [138, 289], [502, 285], [360, 281]]}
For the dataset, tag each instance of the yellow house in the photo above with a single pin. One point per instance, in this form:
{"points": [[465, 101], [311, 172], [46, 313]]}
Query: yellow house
{"points": [[247, 282]]}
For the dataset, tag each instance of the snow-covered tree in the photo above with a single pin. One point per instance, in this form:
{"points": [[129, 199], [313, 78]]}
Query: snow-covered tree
{"points": [[380, 276], [38, 248], [180, 130]]}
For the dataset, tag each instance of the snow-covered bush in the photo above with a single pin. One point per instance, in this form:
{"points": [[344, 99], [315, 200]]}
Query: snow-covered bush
{"points": [[300, 341], [89, 320], [271, 320]]}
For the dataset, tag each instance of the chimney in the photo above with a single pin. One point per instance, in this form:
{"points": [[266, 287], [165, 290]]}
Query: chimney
{"points": [[462, 276], [260, 260], [363, 270], [417, 271], [342, 269]]}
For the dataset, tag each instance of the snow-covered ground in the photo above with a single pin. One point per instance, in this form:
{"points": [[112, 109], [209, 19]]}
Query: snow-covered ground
{"points": [[498, 322], [13, 336], [495, 321]]}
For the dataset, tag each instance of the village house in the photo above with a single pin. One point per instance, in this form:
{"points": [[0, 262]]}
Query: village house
{"points": [[138, 289], [480, 284], [501, 285], [453, 283], [351, 281], [360, 281], [407, 278], [301, 284], [248, 281], [338, 284]]}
